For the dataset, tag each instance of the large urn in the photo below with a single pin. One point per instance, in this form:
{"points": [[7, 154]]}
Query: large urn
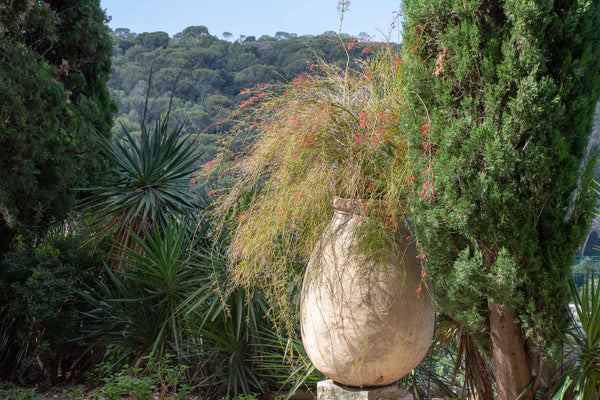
{"points": [[363, 323]]}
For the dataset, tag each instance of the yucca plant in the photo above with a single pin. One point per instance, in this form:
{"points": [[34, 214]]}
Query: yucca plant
{"points": [[224, 320], [140, 306], [151, 184], [465, 368], [582, 341], [284, 364]]}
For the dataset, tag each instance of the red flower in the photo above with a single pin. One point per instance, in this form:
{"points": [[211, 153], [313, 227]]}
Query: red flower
{"points": [[209, 164]]}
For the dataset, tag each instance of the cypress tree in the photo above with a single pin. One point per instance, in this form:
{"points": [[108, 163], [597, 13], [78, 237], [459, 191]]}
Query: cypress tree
{"points": [[54, 65], [504, 94]]}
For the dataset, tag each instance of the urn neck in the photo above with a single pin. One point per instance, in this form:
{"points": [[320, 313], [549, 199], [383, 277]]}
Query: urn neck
{"points": [[348, 206]]}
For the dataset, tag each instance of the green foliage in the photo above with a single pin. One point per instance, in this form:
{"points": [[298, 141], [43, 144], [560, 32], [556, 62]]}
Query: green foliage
{"points": [[151, 183], [40, 311], [54, 65], [250, 396], [114, 358], [32, 105], [127, 382], [209, 67], [283, 363], [228, 319], [139, 307], [161, 376], [17, 393], [506, 93], [582, 341], [166, 273], [170, 376], [178, 298]]}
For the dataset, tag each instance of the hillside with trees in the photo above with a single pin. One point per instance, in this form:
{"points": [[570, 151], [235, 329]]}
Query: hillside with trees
{"points": [[206, 74]]}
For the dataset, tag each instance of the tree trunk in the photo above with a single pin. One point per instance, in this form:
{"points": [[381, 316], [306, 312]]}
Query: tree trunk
{"points": [[511, 367]]}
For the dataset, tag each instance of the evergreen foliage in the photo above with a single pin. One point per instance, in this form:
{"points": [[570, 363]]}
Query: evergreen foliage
{"points": [[208, 74], [583, 342], [40, 313], [509, 89], [54, 64]]}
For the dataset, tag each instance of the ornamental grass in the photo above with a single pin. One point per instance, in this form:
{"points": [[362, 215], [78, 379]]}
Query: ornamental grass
{"points": [[330, 132]]}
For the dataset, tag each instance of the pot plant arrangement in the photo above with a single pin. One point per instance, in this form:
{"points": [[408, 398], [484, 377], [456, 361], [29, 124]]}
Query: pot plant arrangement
{"points": [[324, 181]]}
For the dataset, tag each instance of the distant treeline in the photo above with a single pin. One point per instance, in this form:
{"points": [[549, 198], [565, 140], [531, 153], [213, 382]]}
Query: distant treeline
{"points": [[208, 73]]}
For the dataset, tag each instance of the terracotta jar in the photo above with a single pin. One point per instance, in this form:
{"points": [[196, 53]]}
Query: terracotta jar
{"points": [[363, 323]]}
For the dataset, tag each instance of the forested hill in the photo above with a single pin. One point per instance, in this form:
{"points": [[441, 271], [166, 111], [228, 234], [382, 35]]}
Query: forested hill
{"points": [[213, 72]]}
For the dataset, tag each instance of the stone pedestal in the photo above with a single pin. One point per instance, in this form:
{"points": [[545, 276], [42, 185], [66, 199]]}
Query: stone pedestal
{"points": [[328, 390]]}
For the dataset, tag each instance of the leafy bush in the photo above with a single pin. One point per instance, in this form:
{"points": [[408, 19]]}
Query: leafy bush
{"points": [[54, 104], [128, 382], [10, 392], [40, 310], [160, 375]]}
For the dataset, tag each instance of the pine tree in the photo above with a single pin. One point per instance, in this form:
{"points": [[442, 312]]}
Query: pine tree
{"points": [[504, 92]]}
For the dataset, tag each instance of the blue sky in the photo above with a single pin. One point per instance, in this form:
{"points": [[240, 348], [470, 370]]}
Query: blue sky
{"points": [[257, 18]]}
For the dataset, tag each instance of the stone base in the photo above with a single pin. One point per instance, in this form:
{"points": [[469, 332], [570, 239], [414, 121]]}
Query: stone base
{"points": [[328, 390]]}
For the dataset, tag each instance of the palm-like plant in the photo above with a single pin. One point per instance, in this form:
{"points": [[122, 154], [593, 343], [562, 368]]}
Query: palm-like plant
{"points": [[152, 175], [583, 343], [141, 306], [284, 363], [167, 273], [226, 319]]}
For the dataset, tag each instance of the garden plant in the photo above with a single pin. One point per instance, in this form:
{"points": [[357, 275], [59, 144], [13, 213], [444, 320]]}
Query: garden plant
{"points": [[510, 89], [473, 134], [330, 132]]}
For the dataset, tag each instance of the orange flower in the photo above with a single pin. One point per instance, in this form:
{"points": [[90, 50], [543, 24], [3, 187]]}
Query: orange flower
{"points": [[209, 164]]}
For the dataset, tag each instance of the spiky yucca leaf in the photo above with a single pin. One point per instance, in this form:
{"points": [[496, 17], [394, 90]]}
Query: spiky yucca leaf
{"points": [[151, 182], [583, 343], [140, 307]]}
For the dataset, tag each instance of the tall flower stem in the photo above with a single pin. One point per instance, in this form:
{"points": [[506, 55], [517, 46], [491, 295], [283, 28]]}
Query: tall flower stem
{"points": [[342, 8]]}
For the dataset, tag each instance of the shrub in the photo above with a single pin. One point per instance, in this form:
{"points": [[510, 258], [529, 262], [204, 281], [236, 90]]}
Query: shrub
{"points": [[40, 310]]}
